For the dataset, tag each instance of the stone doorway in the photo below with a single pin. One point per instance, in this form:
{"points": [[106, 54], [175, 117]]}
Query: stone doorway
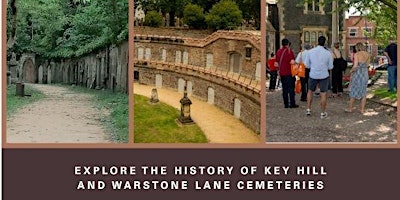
{"points": [[29, 73], [234, 62]]}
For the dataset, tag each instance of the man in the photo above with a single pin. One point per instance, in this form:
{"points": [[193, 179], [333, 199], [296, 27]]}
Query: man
{"points": [[284, 59], [301, 57], [320, 61], [391, 54], [337, 71]]}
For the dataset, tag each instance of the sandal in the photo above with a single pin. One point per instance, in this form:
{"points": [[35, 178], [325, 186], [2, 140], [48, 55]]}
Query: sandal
{"points": [[348, 110]]}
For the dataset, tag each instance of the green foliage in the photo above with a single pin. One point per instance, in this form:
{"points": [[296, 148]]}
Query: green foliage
{"points": [[15, 102], [156, 124], [153, 19], [193, 16], [64, 28], [383, 93], [224, 15]]}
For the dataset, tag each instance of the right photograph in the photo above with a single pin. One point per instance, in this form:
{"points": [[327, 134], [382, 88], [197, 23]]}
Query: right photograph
{"points": [[331, 71]]}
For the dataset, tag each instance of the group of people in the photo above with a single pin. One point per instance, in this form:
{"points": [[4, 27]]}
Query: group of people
{"points": [[324, 71]]}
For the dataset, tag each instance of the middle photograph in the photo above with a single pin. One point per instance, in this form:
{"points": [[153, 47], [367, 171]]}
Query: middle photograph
{"points": [[197, 71]]}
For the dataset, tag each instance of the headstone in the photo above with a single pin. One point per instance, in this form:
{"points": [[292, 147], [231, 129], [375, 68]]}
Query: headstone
{"points": [[185, 57], [209, 60], [181, 85], [40, 73], [210, 95], [158, 81], [189, 87], [236, 109], [258, 71], [163, 55], [154, 96], [178, 57], [148, 54], [140, 53], [49, 75]]}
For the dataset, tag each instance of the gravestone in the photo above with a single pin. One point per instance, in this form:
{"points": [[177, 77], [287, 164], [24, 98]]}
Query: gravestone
{"points": [[158, 81], [189, 88], [236, 107], [181, 85], [209, 60], [185, 57], [49, 75], [140, 53], [154, 96], [178, 57], [210, 95], [163, 55], [40, 74], [148, 54], [258, 71]]}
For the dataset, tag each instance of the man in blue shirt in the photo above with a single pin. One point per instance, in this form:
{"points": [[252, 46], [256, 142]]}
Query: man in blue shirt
{"points": [[391, 54], [320, 61]]}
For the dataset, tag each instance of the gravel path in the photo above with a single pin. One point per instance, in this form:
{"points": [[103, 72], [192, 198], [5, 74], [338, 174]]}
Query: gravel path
{"points": [[217, 125], [62, 116], [378, 124]]}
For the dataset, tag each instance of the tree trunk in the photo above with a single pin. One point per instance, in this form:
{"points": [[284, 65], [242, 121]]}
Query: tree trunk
{"points": [[172, 18], [11, 39]]}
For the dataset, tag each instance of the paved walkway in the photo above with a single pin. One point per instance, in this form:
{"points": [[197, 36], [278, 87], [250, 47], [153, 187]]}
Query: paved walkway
{"points": [[62, 116], [217, 125], [378, 124]]}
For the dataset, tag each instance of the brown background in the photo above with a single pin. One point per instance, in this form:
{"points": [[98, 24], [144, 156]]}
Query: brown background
{"points": [[352, 174]]}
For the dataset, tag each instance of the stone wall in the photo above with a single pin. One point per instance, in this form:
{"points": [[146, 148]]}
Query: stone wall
{"points": [[103, 69], [234, 51]]}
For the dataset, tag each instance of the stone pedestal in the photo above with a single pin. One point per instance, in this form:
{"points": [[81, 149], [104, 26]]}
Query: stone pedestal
{"points": [[154, 96]]}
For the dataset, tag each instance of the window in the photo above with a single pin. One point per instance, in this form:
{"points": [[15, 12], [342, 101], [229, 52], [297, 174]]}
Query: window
{"points": [[353, 32], [313, 37], [367, 31], [311, 34], [314, 6], [307, 36]]}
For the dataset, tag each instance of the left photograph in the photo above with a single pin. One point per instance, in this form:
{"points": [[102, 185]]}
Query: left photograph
{"points": [[67, 71]]}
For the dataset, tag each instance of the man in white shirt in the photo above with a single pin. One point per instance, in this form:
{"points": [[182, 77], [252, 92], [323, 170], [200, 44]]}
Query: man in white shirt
{"points": [[320, 61]]}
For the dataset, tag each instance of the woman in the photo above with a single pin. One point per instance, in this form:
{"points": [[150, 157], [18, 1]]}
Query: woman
{"points": [[359, 77]]}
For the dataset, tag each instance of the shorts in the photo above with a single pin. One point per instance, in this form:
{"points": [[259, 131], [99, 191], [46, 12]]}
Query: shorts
{"points": [[323, 84]]}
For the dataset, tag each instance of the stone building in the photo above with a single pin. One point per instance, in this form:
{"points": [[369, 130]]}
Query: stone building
{"points": [[222, 68], [303, 22]]}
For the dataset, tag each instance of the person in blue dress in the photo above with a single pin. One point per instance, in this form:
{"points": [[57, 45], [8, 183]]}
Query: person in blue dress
{"points": [[359, 77]]}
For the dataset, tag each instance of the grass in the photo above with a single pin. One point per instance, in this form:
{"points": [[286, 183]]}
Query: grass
{"points": [[383, 93], [156, 124], [117, 104], [15, 102]]}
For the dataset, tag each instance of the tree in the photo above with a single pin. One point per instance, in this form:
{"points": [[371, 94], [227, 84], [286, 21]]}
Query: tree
{"points": [[224, 15], [153, 19], [193, 15], [67, 28]]}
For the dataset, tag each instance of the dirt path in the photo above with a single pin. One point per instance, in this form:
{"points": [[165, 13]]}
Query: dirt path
{"points": [[378, 124], [218, 126], [63, 116]]}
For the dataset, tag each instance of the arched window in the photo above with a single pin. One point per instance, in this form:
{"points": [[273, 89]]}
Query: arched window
{"points": [[307, 36]]}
